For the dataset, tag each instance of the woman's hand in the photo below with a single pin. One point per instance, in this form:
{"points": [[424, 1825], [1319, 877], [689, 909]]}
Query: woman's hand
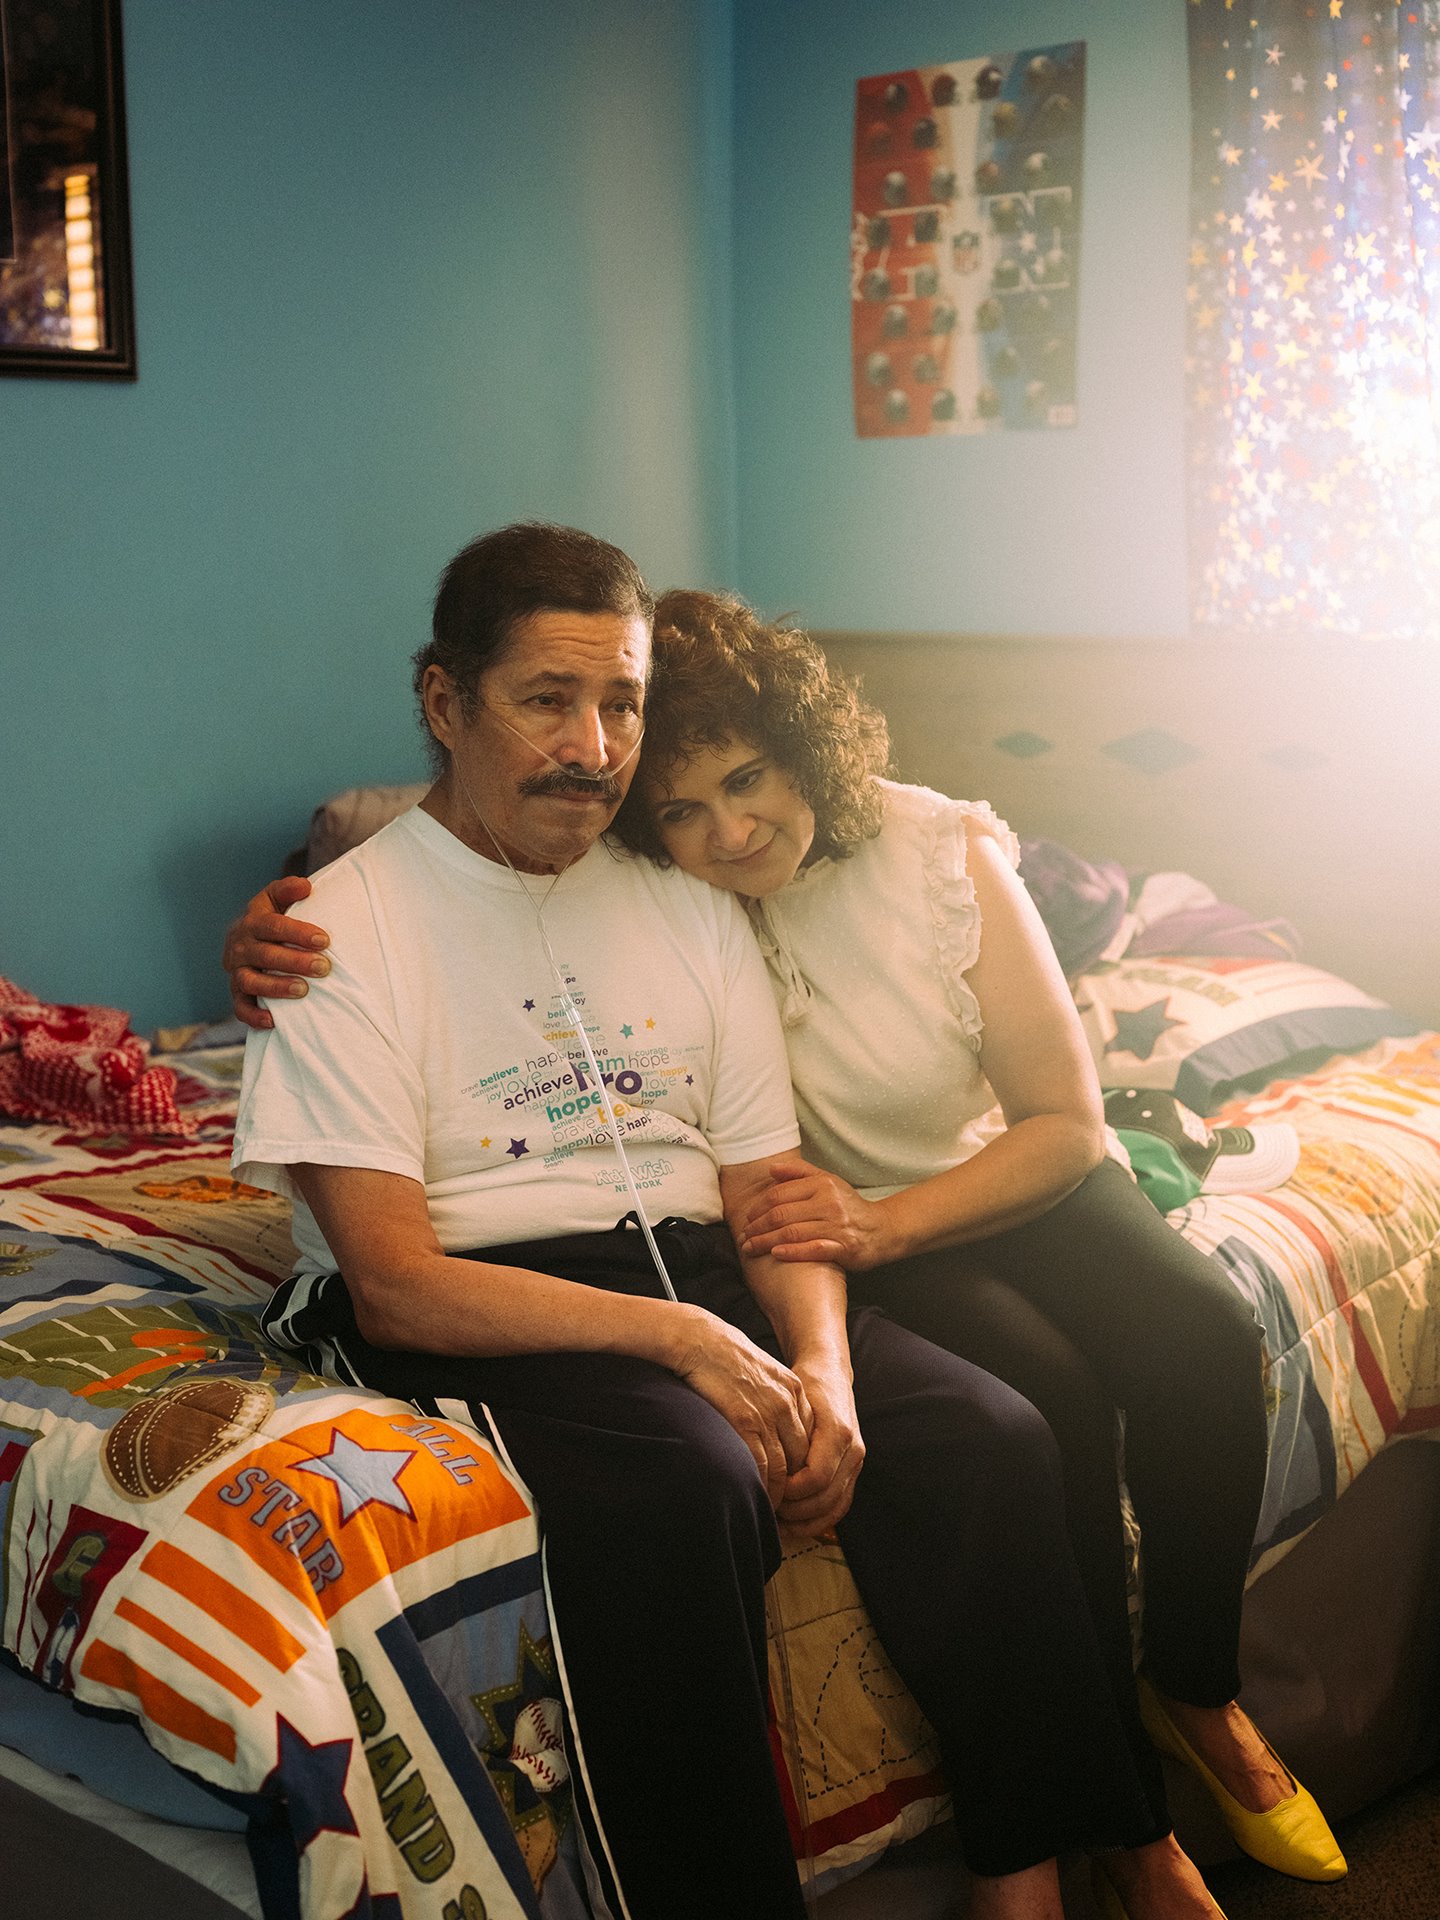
{"points": [[818, 1497], [266, 952], [804, 1214], [762, 1399]]}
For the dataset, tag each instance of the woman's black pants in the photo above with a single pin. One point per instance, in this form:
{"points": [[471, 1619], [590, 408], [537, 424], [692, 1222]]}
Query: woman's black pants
{"points": [[1100, 1304], [659, 1539]]}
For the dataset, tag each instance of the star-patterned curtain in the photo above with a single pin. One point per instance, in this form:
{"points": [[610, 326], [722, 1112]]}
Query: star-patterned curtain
{"points": [[1314, 331]]}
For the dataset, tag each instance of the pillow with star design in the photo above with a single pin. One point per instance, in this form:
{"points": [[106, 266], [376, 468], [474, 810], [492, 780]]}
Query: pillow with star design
{"points": [[1207, 1028]]}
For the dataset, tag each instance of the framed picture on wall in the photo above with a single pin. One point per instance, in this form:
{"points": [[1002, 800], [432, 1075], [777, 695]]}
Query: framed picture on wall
{"points": [[65, 291]]}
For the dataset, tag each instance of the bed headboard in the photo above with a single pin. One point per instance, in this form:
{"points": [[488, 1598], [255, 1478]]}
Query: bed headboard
{"points": [[1297, 779]]}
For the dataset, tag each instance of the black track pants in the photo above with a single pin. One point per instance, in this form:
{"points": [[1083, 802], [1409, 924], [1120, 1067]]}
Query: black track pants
{"points": [[1100, 1304], [659, 1539]]}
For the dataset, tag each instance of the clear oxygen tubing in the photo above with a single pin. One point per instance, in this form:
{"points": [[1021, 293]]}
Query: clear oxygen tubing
{"points": [[774, 1612], [567, 1003]]}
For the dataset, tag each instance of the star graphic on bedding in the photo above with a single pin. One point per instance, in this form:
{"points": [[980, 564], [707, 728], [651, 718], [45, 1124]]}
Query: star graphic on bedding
{"points": [[1275, 1396], [312, 1782], [364, 1476], [529, 1006], [517, 1149], [1137, 1030], [649, 1024], [626, 1032], [521, 1744]]}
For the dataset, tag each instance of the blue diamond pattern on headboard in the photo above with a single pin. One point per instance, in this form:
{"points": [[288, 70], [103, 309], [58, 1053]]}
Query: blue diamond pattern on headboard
{"points": [[1023, 745], [1152, 750]]}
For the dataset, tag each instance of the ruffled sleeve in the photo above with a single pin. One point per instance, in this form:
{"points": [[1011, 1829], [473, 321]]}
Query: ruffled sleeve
{"points": [[950, 892]]}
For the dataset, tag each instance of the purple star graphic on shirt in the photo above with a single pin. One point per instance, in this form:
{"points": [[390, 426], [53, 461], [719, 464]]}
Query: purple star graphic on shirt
{"points": [[529, 1006], [517, 1148]]}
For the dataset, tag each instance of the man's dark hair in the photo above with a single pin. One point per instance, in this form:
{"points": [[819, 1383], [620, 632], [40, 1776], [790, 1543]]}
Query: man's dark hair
{"points": [[500, 580]]}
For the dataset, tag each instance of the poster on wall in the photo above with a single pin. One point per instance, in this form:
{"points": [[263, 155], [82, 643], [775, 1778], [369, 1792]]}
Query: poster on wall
{"points": [[964, 245]]}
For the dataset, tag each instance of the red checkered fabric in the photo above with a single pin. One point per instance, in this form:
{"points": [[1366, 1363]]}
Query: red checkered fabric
{"points": [[81, 1067]]}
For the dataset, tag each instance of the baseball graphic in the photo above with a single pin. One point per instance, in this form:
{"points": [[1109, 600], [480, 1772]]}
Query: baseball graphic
{"points": [[537, 1749], [174, 1433]]}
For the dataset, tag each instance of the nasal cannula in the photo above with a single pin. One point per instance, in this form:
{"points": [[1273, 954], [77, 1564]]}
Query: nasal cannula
{"points": [[571, 1012]]}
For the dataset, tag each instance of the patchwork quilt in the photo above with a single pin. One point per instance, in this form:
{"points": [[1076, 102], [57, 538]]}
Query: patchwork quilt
{"points": [[323, 1607], [1343, 1266], [330, 1611]]}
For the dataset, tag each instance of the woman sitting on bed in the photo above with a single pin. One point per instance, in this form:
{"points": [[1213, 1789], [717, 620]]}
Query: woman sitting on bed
{"points": [[955, 1166]]}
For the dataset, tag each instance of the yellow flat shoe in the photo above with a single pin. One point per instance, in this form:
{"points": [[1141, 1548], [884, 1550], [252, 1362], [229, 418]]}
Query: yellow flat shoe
{"points": [[1292, 1837], [1111, 1906]]}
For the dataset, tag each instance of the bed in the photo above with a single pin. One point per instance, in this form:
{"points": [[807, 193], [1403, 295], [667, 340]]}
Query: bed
{"points": [[286, 1642]]}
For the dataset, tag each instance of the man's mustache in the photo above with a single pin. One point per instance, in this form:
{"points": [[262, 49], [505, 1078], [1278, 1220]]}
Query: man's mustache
{"points": [[600, 786]]}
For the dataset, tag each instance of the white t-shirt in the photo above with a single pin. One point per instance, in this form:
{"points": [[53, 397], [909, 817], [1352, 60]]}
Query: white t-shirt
{"points": [[868, 958], [436, 1046]]}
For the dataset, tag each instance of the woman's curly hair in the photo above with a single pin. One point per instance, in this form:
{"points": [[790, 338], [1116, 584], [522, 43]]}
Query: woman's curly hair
{"points": [[720, 674]]}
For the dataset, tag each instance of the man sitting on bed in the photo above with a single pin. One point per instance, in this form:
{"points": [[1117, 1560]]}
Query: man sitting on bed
{"points": [[466, 1232]]}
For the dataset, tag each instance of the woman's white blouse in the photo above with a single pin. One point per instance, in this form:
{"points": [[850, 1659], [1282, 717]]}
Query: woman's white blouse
{"points": [[868, 958]]}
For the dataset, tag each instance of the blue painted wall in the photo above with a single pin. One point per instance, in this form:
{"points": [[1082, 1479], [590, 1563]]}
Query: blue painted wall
{"points": [[404, 269], [1076, 531]]}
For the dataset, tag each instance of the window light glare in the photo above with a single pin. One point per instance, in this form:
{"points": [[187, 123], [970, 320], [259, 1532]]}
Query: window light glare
{"points": [[83, 303]]}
